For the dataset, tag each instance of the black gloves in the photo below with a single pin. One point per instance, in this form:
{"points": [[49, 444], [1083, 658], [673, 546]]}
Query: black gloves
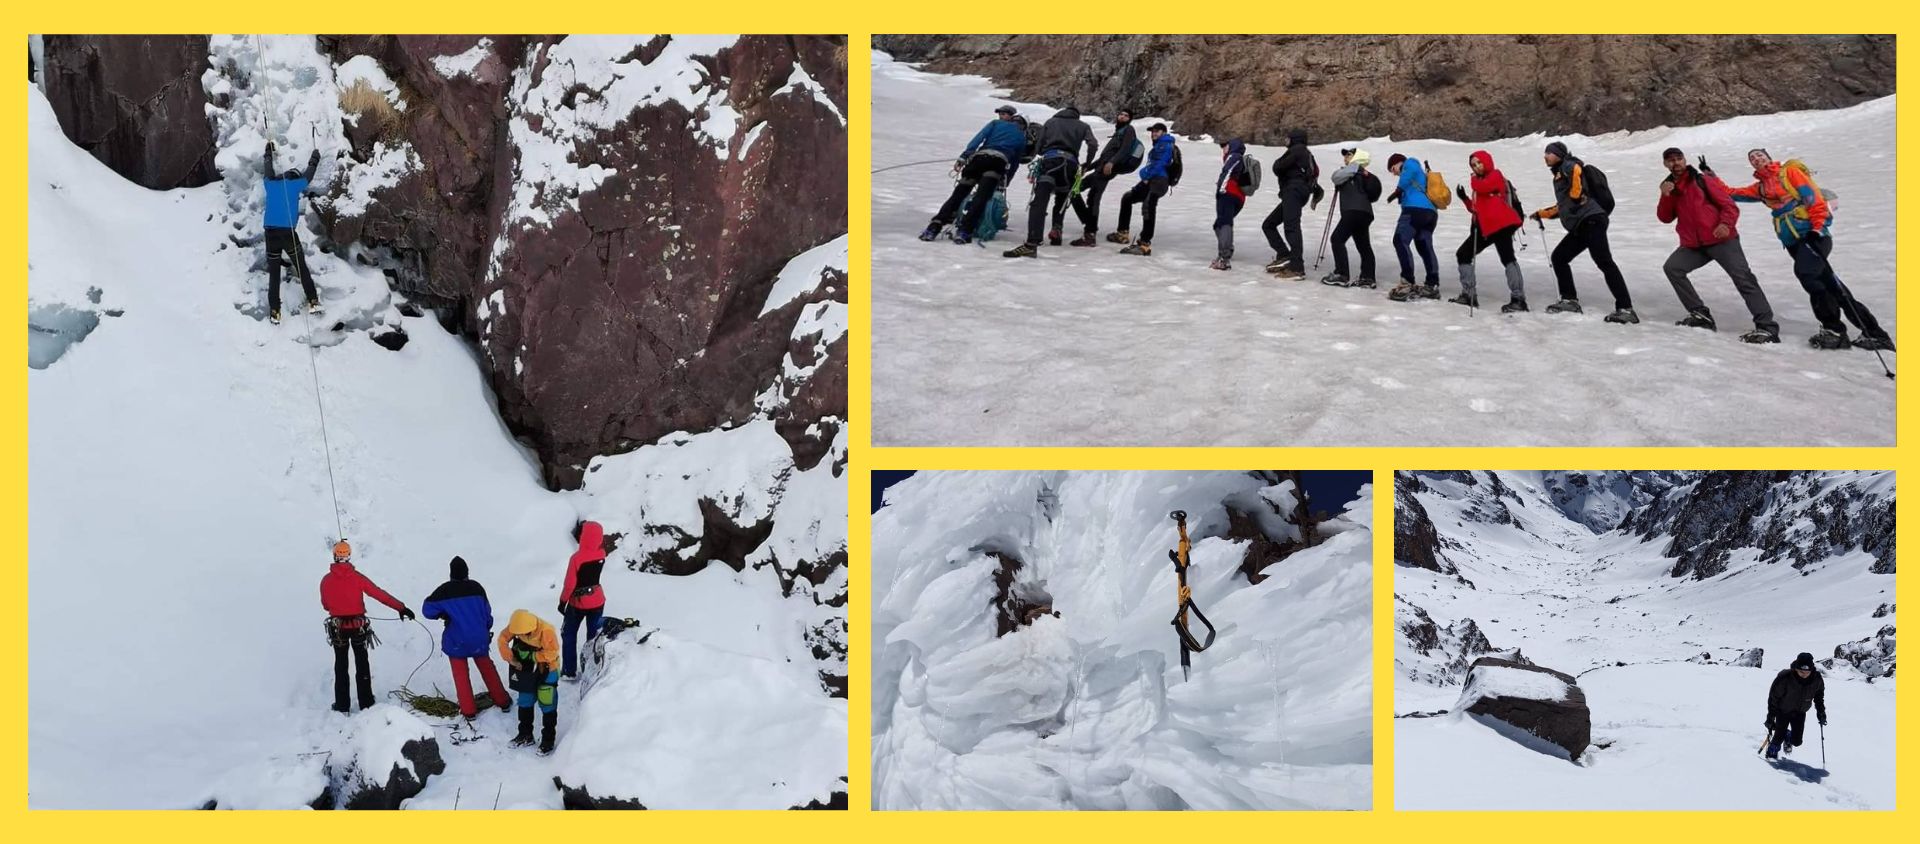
{"points": [[1395, 196], [563, 608], [1823, 719], [406, 614]]}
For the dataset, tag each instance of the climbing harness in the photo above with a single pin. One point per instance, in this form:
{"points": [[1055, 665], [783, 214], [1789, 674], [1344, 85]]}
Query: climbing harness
{"points": [[1188, 644]]}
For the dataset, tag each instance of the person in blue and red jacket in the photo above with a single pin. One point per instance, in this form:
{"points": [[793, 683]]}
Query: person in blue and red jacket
{"points": [[343, 592], [1229, 196], [1803, 221], [461, 603], [581, 598]]}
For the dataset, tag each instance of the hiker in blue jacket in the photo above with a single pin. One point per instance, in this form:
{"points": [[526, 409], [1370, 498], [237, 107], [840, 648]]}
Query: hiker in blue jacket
{"points": [[1417, 220], [462, 603], [1155, 177], [282, 215], [982, 168]]}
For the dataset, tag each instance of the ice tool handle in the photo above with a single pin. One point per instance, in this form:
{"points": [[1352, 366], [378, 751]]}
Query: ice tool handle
{"points": [[1188, 644]]}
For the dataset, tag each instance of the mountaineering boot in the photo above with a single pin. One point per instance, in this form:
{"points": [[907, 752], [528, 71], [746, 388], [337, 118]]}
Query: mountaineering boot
{"points": [[1467, 299], [1873, 344], [1141, 248], [1564, 306], [962, 238], [1699, 319], [1828, 339], [1402, 292], [1083, 240], [1624, 316], [1289, 273], [1053, 238], [1220, 264], [1024, 250], [1514, 306], [313, 307], [1121, 236], [274, 317], [1760, 335], [547, 721], [1278, 263], [1430, 291], [1334, 280], [930, 232], [525, 736], [1366, 282]]}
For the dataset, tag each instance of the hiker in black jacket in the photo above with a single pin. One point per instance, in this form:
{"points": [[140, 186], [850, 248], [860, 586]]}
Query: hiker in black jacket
{"points": [[1122, 154], [1056, 165], [1794, 691], [1298, 176]]}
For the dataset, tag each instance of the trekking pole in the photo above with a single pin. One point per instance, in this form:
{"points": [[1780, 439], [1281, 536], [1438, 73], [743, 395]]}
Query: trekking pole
{"points": [[1823, 745], [1324, 231]]}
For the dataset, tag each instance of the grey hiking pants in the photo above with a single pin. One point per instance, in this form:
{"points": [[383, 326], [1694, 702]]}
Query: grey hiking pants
{"points": [[1728, 255]]}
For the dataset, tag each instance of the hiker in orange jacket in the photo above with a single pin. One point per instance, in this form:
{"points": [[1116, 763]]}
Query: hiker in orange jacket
{"points": [[532, 652], [1802, 220]]}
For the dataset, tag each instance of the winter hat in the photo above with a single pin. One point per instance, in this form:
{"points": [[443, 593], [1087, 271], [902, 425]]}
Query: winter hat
{"points": [[457, 570], [1394, 160], [1559, 149], [1297, 136], [1362, 157], [1672, 152], [1005, 109], [1157, 127], [1804, 660]]}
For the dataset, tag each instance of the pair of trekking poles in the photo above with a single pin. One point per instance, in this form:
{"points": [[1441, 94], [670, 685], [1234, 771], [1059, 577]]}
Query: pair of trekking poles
{"points": [[1823, 743]]}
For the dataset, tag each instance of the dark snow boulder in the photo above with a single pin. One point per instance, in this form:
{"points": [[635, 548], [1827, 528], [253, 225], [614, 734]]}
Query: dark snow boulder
{"points": [[1539, 707], [1704, 658], [1872, 656], [580, 798], [1750, 659], [390, 338], [384, 758]]}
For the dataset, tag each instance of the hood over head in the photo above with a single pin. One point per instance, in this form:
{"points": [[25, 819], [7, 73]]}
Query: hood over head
{"points": [[1485, 158], [592, 543], [522, 623]]}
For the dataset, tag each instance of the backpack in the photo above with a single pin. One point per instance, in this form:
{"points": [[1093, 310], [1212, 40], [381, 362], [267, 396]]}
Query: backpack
{"points": [[995, 218], [1513, 199], [1252, 166], [1174, 167], [1032, 131], [1372, 185], [1597, 188], [1131, 160], [1437, 191], [1828, 196]]}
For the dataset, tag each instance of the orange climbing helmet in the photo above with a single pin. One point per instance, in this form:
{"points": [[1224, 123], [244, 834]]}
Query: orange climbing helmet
{"points": [[342, 551]]}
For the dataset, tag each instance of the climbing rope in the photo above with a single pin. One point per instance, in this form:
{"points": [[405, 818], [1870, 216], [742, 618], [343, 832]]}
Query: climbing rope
{"points": [[1184, 597], [915, 164], [435, 705]]}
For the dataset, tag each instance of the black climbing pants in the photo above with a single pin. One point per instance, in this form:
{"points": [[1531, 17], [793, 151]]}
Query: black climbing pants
{"points": [[283, 248]]}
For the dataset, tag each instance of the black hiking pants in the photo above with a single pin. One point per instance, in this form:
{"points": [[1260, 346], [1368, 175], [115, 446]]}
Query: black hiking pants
{"points": [[283, 248], [1353, 226], [1831, 300], [1086, 204], [979, 178], [1788, 729], [1590, 237], [358, 645], [1149, 192], [1293, 203], [1052, 181]]}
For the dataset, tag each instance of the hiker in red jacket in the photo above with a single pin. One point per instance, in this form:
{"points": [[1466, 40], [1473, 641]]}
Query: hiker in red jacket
{"points": [[582, 598], [343, 592], [1702, 211], [1496, 220]]}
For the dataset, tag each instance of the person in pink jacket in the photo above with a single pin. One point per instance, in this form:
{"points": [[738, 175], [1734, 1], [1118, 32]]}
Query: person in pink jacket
{"points": [[582, 599]]}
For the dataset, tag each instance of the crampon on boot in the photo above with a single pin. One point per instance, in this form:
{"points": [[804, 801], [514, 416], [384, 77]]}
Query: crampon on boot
{"points": [[525, 736]]}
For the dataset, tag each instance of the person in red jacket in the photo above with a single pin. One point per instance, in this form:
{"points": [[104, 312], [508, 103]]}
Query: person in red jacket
{"points": [[1495, 221], [1702, 211], [582, 599], [343, 592]]}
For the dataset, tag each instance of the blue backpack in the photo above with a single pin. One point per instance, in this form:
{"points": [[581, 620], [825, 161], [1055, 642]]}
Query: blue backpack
{"points": [[994, 219]]}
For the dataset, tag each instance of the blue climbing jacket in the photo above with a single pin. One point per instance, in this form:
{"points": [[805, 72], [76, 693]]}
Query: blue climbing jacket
{"points": [[1158, 158], [462, 604], [284, 191], [1002, 136], [1413, 186]]}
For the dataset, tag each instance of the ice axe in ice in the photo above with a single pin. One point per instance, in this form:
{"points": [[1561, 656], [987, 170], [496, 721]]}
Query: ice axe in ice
{"points": [[1188, 644]]}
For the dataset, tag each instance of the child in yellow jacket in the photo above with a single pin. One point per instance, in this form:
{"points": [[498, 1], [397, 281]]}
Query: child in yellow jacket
{"points": [[532, 651]]}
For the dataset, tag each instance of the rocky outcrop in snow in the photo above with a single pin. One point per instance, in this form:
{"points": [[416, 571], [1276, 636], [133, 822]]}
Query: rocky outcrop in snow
{"points": [[1415, 541], [1872, 656], [386, 756], [1539, 702], [135, 103], [1801, 518], [1347, 86]]}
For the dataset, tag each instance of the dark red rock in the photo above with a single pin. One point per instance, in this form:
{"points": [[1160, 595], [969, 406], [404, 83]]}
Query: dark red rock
{"points": [[135, 102]]}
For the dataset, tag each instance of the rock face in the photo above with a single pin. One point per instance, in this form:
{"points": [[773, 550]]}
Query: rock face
{"points": [[1752, 658], [1797, 517], [1541, 702], [1450, 651], [1461, 87], [1416, 544], [1872, 656], [135, 103]]}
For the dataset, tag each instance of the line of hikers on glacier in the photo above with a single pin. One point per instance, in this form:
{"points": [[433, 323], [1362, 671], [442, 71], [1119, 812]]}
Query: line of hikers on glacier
{"points": [[1703, 210]]}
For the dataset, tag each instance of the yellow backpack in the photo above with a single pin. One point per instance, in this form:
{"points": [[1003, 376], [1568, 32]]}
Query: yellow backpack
{"points": [[1832, 199], [1437, 191]]}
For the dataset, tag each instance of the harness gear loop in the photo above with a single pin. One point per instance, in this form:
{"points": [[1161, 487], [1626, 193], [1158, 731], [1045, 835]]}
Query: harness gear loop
{"points": [[1181, 560]]}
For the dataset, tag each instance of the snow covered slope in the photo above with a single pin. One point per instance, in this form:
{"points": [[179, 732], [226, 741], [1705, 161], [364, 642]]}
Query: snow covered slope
{"points": [[1085, 346], [180, 518], [1089, 709], [1675, 722]]}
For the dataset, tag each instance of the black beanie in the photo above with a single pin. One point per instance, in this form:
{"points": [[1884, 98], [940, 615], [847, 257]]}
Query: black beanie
{"points": [[1559, 149], [1298, 136], [1394, 160], [1672, 152], [1804, 660], [457, 569]]}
